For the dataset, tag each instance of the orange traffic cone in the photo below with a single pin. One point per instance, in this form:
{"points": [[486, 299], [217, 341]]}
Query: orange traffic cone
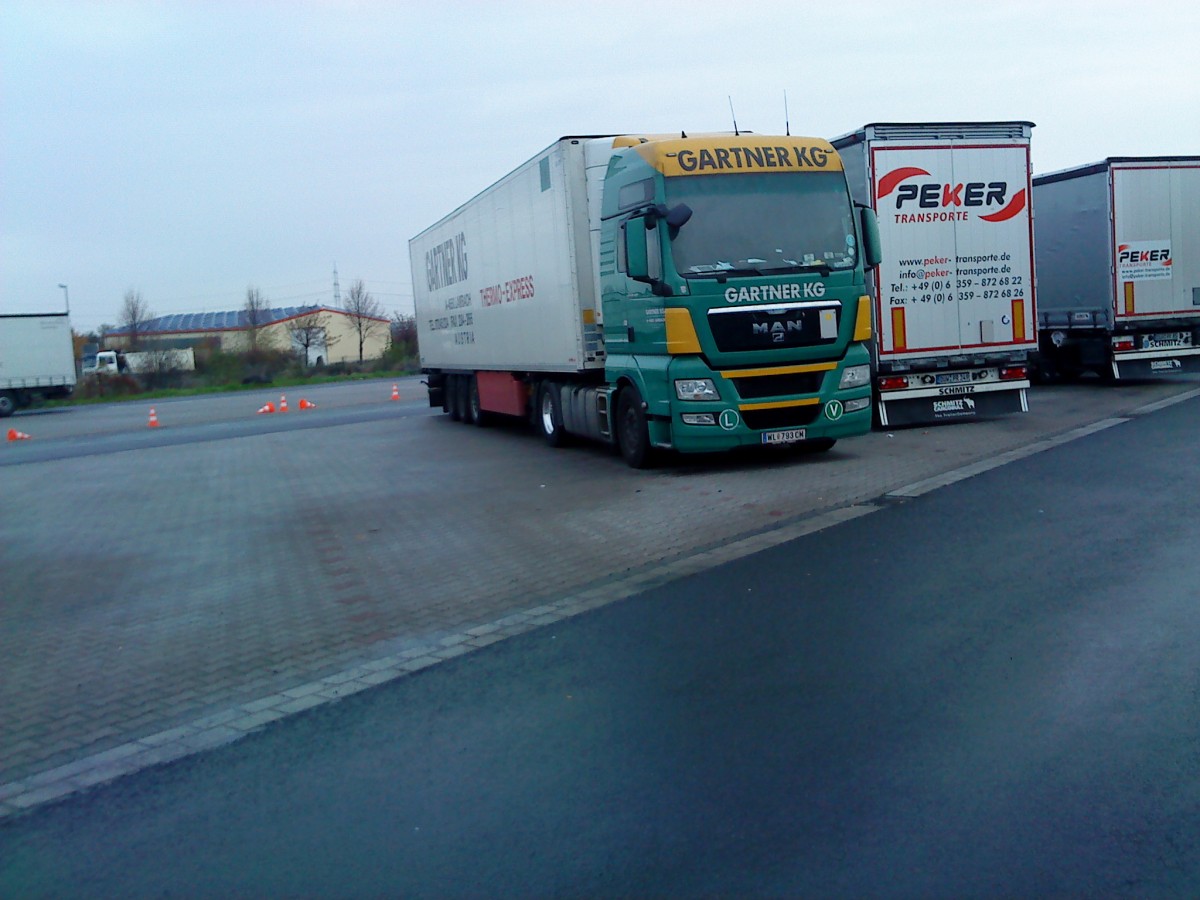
{"points": [[153, 423], [304, 404], [269, 408], [282, 403], [14, 435], [395, 392]]}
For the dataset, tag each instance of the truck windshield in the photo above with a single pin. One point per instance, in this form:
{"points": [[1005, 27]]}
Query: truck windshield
{"points": [[769, 223]]}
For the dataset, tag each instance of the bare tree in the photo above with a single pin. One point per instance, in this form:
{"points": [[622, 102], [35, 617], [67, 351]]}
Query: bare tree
{"points": [[135, 315], [257, 314], [308, 331], [366, 315]]}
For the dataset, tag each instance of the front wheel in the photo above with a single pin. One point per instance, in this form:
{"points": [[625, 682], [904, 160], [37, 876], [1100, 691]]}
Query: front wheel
{"points": [[633, 436]]}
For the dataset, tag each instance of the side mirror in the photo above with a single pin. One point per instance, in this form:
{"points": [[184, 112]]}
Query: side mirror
{"points": [[637, 262], [678, 215], [872, 247]]}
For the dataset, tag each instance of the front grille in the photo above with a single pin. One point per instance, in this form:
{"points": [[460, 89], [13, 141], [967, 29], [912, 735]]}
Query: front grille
{"points": [[778, 385], [784, 417], [775, 327]]}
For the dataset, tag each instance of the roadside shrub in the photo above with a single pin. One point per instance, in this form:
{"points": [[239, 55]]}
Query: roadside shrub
{"points": [[104, 385]]}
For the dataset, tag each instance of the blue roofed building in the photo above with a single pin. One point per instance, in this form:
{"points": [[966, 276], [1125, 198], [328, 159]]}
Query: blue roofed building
{"points": [[328, 331]]}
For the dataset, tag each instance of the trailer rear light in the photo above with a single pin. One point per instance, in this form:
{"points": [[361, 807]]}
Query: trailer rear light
{"points": [[1123, 343], [893, 383], [1014, 373]]}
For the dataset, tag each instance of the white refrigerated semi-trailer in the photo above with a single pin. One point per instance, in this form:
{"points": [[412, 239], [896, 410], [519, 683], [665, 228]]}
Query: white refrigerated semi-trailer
{"points": [[954, 295], [1118, 265]]}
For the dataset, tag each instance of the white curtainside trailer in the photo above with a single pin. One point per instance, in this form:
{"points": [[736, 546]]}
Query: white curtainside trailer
{"points": [[1118, 265], [954, 295], [37, 359]]}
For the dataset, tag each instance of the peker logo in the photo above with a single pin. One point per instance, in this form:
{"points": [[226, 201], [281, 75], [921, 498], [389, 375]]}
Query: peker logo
{"points": [[947, 199]]}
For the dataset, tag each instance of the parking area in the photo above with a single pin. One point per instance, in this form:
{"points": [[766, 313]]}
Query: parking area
{"points": [[146, 587]]}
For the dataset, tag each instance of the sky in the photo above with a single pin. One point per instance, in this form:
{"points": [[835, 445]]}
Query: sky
{"points": [[190, 150]]}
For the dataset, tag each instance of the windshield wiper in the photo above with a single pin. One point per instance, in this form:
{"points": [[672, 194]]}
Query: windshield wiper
{"points": [[820, 268], [722, 273]]}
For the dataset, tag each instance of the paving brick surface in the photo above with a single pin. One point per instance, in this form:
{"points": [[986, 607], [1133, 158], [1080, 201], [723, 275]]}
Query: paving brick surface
{"points": [[166, 600]]}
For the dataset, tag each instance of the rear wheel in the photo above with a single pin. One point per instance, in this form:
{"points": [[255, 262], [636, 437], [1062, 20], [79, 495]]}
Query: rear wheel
{"points": [[548, 415], [8, 405], [454, 397], [633, 435], [478, 415], [464, 398]]}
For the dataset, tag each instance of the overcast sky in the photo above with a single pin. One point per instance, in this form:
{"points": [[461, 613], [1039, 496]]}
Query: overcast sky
{"points": [[192, 149]]}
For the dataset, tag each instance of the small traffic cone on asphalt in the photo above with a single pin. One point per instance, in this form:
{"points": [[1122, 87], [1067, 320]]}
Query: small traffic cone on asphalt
{"points": [[304, 404], [269, 408], [153, 423], [395, 392], [14, 435], [282, 403]]}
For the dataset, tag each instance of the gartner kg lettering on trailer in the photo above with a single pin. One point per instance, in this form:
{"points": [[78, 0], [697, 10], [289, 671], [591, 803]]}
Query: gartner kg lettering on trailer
{"points": [[446, 264]]}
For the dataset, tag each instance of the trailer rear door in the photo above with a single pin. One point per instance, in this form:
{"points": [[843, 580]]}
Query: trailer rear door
{"points": [[957, 240], [1156, 239]]}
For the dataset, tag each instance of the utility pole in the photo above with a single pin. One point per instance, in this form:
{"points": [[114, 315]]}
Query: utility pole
{"points": [[337, 292], [66, 297]]}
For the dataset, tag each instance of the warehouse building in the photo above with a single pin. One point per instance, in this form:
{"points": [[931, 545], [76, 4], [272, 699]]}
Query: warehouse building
{"points": [[328, 333]]}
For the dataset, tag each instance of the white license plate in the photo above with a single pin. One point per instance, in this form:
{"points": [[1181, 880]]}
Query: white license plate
{"points": [[784, 437], [1167, 340]]}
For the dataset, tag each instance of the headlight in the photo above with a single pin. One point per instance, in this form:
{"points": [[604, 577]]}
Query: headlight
{"points": [[696, 389], [855, 376]]}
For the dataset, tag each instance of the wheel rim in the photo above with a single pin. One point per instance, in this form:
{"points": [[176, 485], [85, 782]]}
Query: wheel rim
{"points": [[547, 413]]}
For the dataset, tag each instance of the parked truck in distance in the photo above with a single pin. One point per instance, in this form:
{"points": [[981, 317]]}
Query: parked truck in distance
{"points": [[37, 359], [1118, 267], [692, 294], [114, 362], [955, 303]]}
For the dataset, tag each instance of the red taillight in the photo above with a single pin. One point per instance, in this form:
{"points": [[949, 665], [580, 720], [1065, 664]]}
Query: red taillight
{"points": [[1014, 373], [893, 383], [1122, 343]]}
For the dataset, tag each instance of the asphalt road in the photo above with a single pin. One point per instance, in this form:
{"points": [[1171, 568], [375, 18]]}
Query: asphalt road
{"points": [[990, 690]]}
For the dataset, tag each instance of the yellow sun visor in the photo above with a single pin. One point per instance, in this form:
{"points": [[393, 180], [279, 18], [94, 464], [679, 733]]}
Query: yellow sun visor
{"points": [[729, 154]]}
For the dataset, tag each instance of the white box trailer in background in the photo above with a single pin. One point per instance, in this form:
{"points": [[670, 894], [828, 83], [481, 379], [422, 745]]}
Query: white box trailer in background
{"points": [[954, 295], [1118, 265], [37, 359]]}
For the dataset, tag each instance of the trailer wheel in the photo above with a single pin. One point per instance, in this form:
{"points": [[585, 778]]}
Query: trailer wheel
{"points": [[7, 404], [454, 397], [478, 415], [464, 398], [633, 437], [548, 417]]}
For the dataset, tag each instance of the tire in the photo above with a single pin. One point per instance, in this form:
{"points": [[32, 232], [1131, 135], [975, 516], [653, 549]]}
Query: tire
{"points": [[633, 436], [478, 415], [464, 398], [454, 397], [8, 404], [547, 416]]}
